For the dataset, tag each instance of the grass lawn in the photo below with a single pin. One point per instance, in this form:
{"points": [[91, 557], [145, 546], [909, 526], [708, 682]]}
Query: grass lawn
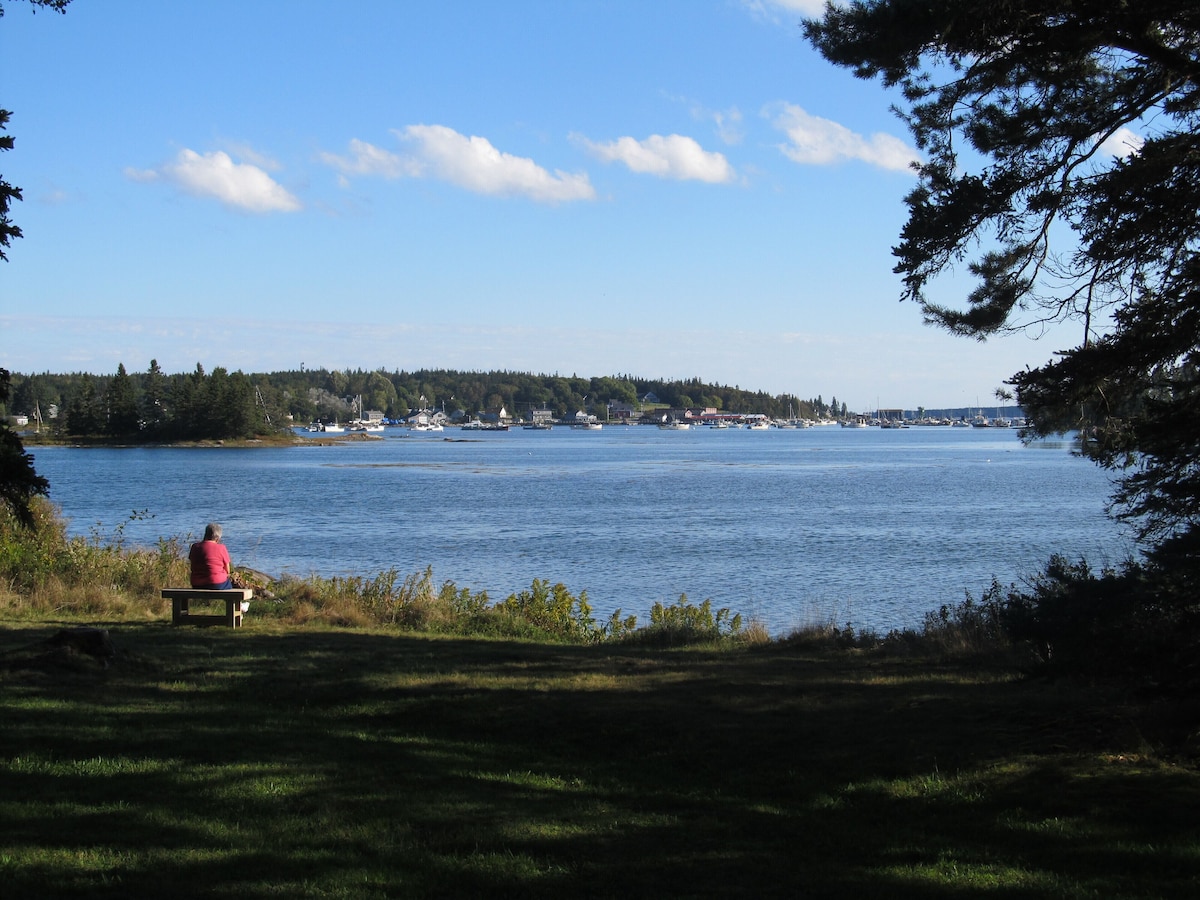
{"points": [[304, 762]]}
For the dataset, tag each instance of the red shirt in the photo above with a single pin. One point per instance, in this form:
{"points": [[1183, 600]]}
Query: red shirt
{"points": [[210, 563]]}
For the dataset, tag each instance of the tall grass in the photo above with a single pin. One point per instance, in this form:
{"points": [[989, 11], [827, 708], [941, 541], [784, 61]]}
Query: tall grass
{"points": [[42, 569]]}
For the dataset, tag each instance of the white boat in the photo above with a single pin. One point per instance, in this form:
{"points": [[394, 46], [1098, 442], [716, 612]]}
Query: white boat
{"points": [[856, 422], [761, 425], [588, 426], [675, 425], [425, 426], [335, 428]]}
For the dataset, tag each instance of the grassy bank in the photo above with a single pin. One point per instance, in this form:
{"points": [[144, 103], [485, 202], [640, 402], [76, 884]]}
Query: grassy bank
{"points": [[278, 760]]}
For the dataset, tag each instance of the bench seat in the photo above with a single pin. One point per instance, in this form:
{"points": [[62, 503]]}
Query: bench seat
{"points": [[181, 597]]}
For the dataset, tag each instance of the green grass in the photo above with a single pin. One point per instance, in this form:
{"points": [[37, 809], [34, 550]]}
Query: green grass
{"points": [[279, 761]]}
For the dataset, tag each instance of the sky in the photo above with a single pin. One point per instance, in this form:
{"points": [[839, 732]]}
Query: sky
{"points": [[667, 189]]}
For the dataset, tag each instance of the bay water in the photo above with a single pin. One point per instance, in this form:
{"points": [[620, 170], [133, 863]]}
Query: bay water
{"points": [[872, 527]]}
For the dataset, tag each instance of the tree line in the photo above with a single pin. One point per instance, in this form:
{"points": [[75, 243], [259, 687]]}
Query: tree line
{"points": [[154, 406]]}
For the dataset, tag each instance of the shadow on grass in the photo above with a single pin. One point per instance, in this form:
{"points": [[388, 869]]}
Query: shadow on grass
{"points": [[354, 764]]}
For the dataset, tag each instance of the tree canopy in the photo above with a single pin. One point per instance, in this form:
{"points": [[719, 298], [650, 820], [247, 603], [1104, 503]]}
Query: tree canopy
{"points": [[1061, 168]]}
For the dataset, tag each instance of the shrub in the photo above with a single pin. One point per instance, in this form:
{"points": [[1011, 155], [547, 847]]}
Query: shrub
{"points": [[552, 610], [1134, 620], [684, 622], [971, 627]]}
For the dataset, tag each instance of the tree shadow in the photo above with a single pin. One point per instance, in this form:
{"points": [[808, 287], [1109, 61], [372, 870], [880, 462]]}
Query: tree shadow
{"points": [[365, 764]]}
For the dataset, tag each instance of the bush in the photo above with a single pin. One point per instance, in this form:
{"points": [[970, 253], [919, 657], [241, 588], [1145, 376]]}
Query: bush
{"points": [[1136, 620], [684, 622], [553, 611]]}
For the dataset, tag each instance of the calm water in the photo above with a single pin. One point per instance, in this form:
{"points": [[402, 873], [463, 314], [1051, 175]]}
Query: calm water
{"points": [[861, 525]]}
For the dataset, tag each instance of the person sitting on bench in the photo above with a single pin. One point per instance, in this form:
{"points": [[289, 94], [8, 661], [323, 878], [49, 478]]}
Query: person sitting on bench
{"points": [[211, 568]]}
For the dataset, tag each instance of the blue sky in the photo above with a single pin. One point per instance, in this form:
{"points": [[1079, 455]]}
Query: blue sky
{"points": [[667, 189]]}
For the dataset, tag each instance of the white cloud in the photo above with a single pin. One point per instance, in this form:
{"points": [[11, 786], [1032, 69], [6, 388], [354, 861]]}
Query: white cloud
{"points": [[729, 125], [474, 164], [471, 163], [238, 185], [248, 154], [771, 9], [672, 156], [815, 141], [367, 159], [1123, 143]]}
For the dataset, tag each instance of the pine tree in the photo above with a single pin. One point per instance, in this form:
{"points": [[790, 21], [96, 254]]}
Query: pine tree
{"points": [[121, 399], [1062, 166]]}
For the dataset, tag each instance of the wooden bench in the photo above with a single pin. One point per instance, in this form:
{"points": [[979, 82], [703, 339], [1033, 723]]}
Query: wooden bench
{"points": [[181, 615]]}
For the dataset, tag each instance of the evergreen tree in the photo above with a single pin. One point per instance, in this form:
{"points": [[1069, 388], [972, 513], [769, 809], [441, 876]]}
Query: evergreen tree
{"points": [[83, 415], [121, 399], [189, 400], [19, 481], [1062, 164], [154, 399]]}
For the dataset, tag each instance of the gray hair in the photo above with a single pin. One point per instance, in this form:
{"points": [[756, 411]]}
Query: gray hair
{"points": [[212, 532]]}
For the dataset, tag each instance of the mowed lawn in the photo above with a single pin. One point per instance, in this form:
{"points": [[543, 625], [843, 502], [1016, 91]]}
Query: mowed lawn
{"points": [[276, 762]]}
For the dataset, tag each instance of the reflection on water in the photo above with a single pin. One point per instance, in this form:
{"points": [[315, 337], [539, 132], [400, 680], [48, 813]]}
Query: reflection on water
{"points": [[868, 526]]}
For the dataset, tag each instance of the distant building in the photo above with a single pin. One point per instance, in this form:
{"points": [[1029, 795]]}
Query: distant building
{"points": [[619, 410], [428, 417]]}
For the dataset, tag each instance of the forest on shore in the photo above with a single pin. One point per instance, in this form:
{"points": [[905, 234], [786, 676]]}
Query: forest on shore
{"points": [[216, 405]]}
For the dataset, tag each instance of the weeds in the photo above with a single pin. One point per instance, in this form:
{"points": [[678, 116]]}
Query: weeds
{"points": [[42, 569], [684, 622], [553, 611]]}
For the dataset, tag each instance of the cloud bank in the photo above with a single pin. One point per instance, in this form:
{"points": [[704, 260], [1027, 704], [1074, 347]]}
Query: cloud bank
{"points": [[813, 141], [241, 186]]}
